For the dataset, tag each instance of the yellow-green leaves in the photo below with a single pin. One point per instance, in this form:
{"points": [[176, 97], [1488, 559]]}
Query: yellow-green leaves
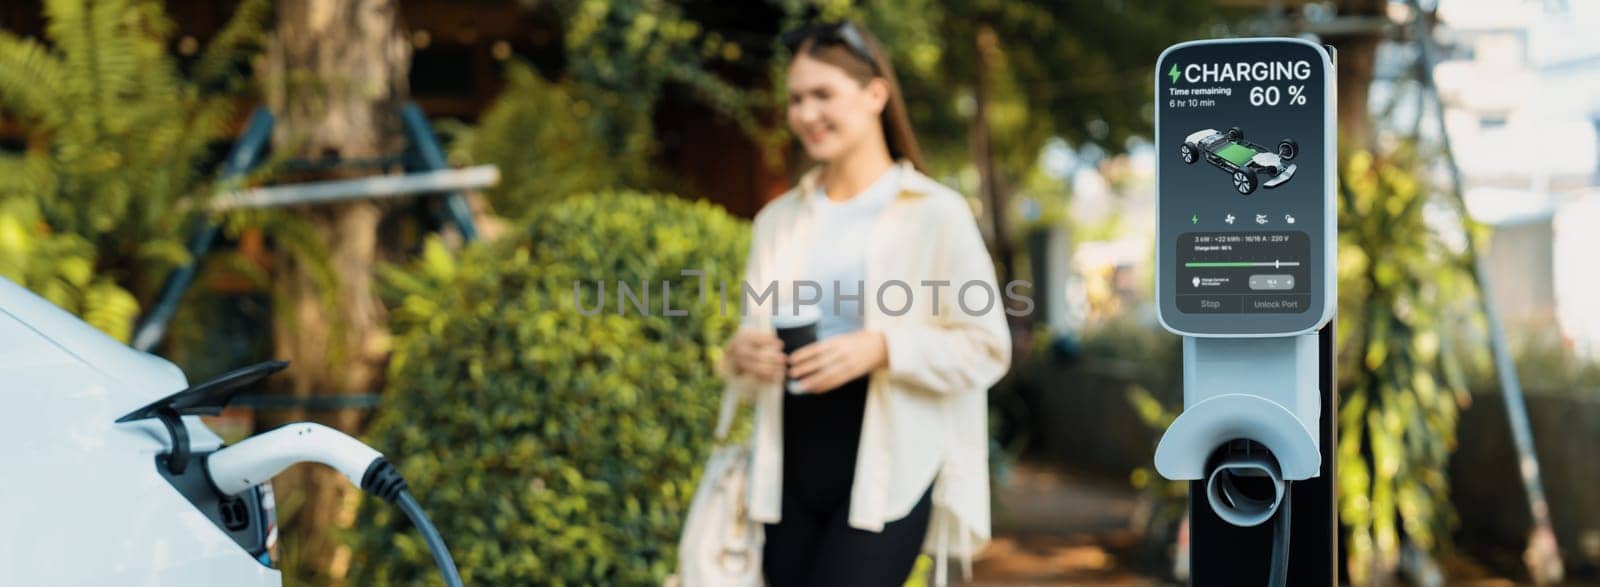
{"points": [[116, 138], [1399, 380], [60, 268]]}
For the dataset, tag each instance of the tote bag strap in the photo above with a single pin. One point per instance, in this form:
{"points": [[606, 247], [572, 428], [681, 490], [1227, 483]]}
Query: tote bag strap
{"points": [[731, 391], [730, 407]]}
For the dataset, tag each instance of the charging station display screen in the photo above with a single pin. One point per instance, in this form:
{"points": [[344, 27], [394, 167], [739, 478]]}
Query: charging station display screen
{"points": [[1244, 157]]}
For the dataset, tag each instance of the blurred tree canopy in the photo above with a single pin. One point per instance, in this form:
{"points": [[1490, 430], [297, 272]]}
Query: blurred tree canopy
{"points": [[590, 124], [1078, 71], [523, 134], [1081, 71]]}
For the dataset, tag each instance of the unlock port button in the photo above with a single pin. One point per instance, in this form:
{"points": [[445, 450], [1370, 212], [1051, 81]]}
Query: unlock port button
{"points": [[1277, 304]]}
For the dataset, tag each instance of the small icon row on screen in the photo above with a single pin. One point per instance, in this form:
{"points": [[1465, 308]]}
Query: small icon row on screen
{"points": [[1260, 219]]}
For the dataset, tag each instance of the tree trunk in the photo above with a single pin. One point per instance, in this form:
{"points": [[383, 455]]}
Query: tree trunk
{"points": [[991, 187], [336, 74], [1358, 55]]}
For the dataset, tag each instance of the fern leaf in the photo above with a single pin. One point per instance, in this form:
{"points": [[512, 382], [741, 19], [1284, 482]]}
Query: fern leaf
{"points": [[244, 35], [30, 77]]}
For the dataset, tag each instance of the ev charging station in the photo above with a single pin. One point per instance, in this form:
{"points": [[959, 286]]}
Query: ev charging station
{"points": [[1245, 251]]}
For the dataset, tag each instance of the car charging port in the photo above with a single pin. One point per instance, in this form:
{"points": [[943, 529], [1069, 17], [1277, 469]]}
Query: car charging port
{"points": [[234, 513], [247, 518]]}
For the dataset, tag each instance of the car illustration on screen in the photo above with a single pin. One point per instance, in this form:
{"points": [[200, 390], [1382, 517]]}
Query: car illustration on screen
{"points": [[1251, 165]]}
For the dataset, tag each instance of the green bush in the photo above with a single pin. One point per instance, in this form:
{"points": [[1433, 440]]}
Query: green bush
{"points": [[550, 447]]}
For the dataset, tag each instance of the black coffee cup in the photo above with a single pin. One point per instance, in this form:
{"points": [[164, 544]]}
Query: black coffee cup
{"points": [[796, 327]]}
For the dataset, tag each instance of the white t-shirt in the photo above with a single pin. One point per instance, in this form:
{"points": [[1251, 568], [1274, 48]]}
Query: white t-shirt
{"points": [[838, 256]]}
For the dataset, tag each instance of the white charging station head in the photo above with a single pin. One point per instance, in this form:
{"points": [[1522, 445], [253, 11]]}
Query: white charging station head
{"points": [[1209, 424]]}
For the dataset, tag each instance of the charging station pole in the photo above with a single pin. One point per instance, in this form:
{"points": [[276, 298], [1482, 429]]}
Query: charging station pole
{"points": [[1246, 241], [1221, 553]]}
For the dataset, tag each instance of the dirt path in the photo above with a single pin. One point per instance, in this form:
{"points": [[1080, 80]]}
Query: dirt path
{"points": [[1055, 528]]}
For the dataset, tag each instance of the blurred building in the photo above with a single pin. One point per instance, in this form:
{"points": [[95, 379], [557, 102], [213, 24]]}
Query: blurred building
{"points": [[1521, 86]]}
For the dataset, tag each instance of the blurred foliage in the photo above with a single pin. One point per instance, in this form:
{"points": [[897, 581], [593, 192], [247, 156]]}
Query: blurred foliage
{"points": [[1073, 71], [1080, 71], [556, 448], [1128, 339], [117, 138], [1544, 366], [536, 133], [1077, 72], [1401, 379], [1120, 353], [630, 50], [60, 268], [1163, 503], [1150, 358], [590, 126]]}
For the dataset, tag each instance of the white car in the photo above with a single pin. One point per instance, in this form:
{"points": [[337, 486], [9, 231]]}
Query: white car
{"points": [[83, 498]]}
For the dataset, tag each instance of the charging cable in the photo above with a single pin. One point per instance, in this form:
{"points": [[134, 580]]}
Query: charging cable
{"points": [[259, 458], [1249, 463], [1280, 544]]}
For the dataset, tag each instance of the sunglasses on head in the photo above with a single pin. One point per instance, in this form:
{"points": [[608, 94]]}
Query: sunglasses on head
{"points": [[835, 33]]}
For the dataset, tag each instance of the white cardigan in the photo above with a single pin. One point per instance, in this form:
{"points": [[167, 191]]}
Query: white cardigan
{"points": [[926, 414]]}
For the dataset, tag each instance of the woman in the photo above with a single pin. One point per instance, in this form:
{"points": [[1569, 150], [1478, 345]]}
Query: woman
{"points": [[882, 449]]}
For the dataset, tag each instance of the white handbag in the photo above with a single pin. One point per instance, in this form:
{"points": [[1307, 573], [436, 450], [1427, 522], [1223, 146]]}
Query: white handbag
{"points": [[721, 545]]}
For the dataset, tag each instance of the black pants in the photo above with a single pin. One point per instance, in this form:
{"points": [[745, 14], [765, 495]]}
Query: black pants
{"points": [[814, 545]]}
